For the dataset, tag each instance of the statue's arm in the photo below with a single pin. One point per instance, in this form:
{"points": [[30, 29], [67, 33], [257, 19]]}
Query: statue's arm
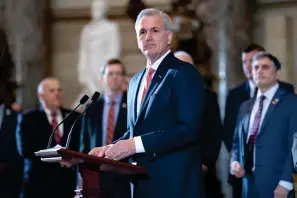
{"points": [[82, 57]]}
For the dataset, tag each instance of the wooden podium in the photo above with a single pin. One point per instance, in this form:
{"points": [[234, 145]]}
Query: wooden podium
{"points": [[90, 167]]}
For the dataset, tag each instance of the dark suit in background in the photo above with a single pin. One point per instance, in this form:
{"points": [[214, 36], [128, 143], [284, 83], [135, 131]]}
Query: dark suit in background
{"points": [[46, 180], [12, 173], [92, 136], [210, 141], [273, 159], [235, 98]]}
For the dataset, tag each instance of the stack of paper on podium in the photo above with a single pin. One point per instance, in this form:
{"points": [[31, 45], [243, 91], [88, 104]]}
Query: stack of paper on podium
{"points": [[50, 155]]}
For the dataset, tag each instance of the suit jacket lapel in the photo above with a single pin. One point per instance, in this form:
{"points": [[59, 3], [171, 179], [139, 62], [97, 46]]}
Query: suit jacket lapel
{"points": [[247, 90], [66, 127], [135, 89], [248, 115], [272, 106], [5, 120], [157, 79], [154, 84], [45, 120]]}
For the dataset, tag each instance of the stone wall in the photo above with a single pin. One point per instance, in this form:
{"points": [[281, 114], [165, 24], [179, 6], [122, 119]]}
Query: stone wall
{"points": [[276, 29]]}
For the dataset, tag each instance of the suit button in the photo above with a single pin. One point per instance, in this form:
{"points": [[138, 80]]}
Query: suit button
{"points": [[154, 154]]}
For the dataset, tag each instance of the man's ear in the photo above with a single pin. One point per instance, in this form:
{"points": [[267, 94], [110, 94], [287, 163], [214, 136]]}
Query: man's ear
{"points": [[170, 37], [278, 73]]}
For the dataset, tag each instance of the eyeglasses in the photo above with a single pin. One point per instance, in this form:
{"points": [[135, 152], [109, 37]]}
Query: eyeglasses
{"points": [[115, 74]]}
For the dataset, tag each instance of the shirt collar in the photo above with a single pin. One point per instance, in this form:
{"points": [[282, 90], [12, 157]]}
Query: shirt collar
{"points": [[269, 93], [252, 85], [49, 112], [117, 99], [158, 62]]}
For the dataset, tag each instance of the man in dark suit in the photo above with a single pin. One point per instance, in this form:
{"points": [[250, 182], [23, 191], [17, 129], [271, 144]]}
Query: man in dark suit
{"points": [[236, 97], [261, 150], [105, 122], [42, 179], [211, 136], [165, 103], [11, 171]]}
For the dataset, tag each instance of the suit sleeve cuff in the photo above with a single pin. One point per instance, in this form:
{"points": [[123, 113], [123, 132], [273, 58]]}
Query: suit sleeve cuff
{"points": [[285, 184], [139, 145]]}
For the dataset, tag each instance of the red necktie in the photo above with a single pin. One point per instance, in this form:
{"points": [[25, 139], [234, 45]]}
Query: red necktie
{"points": [[110, 123], [149, 77], [257, 121], [54, 125]]}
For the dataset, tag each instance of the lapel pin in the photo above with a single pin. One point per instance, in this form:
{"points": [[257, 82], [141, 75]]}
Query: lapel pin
{"points": [[8, 112], [275, 101], [124, 105]]}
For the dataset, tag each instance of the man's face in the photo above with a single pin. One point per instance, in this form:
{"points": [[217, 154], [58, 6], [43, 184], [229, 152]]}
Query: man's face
{"points": [[113, 77], [246, 59], [51, 96], [152, 37], [264, 73]]}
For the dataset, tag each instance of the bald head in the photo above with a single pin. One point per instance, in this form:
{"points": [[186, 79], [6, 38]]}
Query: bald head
{"points": [[49, 93], [184, 56]]}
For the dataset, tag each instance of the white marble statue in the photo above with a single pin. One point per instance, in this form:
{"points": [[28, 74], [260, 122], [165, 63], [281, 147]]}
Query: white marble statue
{"points": [[100, 41]]}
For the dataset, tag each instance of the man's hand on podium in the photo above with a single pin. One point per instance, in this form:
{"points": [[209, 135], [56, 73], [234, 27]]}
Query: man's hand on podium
{"points": [[121, 149], [118, 151], [100, 151]]}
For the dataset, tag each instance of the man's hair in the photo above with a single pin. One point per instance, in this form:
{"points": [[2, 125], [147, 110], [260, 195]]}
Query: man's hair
{"points": [[261, 55], [253, 47], [183, 53], [40, 87], [111, 62], [154, 12]]}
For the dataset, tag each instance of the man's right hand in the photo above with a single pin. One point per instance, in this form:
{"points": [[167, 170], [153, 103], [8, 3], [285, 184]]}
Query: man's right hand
{"points": [[237, 170], [100, 151]]}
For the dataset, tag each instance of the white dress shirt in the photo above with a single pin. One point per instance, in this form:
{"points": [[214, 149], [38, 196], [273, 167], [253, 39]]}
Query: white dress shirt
{"points": [[252, 88], [269, 94], [59, 118], [138, 141]]}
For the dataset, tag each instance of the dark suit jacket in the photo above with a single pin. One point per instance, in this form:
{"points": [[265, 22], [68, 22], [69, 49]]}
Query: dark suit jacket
{"points": [[113, 184], [273, 158], [46, 179], [91, 134], [12, 174], [235, 98], [168, 125], [211, 139]]}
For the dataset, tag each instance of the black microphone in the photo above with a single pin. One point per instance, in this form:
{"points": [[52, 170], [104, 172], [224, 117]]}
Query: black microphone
{"points": [[82, 101], [94, 98]]}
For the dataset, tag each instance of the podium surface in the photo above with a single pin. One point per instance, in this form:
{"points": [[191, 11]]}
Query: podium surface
{"points": [[90, 167]]}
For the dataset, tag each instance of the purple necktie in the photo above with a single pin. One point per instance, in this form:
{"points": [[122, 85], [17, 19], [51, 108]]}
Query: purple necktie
{"points": [[257, 121]]}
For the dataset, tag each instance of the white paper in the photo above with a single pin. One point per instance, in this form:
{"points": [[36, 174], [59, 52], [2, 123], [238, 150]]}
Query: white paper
{"points": [[51, 152], [52, 159]]}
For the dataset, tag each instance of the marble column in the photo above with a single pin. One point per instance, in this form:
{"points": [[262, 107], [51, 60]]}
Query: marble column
{"points": [[228, 26], [24, 25]]}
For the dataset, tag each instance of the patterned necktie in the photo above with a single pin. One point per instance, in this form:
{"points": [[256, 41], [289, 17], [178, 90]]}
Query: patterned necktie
{"points": [[110, 123], [257, 121], [54, 125], [149, 77]]}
